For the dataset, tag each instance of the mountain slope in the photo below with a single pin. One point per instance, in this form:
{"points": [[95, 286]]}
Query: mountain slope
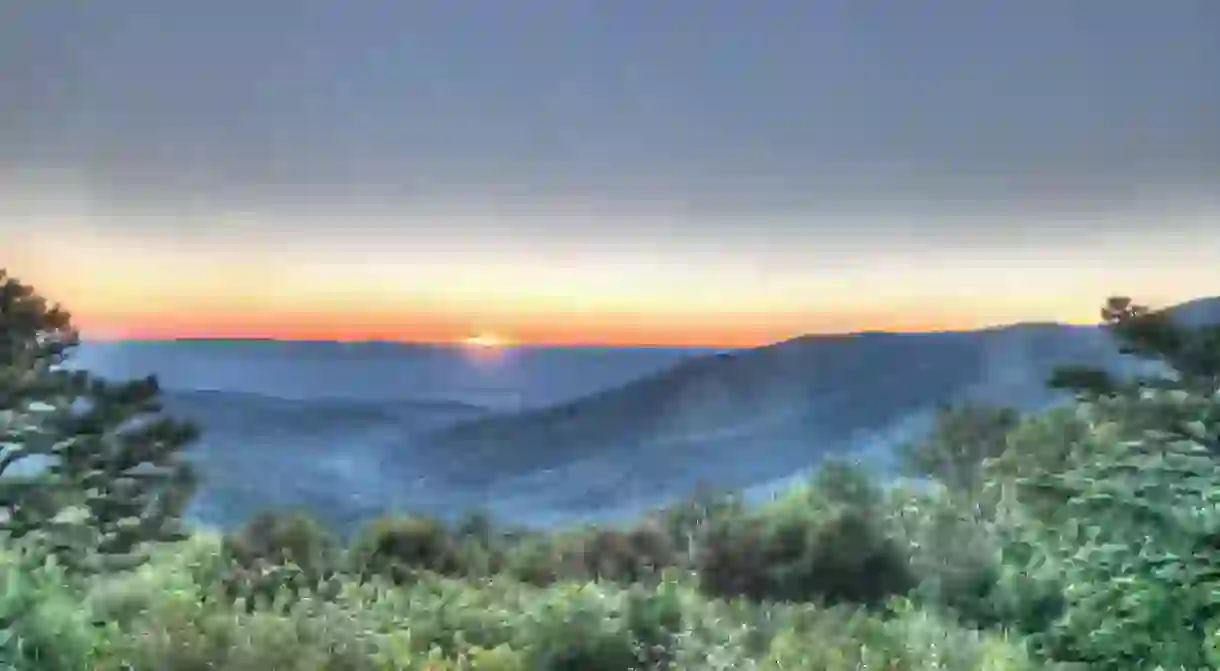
{"points": [[746, 417], [1199, 312], [751, 417], [239, 410], [259, 451]]}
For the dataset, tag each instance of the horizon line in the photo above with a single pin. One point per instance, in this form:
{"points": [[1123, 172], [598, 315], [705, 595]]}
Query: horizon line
{"points": [[458, 344]]}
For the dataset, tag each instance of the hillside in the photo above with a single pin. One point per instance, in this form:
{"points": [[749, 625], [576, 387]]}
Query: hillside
{"points": [[749, 417], [1198, 312], [260, 451], [254, 412]]}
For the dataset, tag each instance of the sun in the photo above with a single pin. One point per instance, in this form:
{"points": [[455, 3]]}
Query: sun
{"points": [[484, 341]]}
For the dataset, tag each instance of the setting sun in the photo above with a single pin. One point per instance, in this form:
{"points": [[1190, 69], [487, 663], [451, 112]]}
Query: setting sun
{"points": [[484, 340]]}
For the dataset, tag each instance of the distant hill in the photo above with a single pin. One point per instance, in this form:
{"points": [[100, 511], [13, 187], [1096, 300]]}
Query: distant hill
{"points": [[748, 417], [526, 377], [352, 431], [1199, 312], [326, 454], [311, 424], [242, 410]]}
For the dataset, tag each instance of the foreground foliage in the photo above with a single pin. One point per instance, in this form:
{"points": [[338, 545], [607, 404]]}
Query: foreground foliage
{"points": [[169, 614], [90, 470]]}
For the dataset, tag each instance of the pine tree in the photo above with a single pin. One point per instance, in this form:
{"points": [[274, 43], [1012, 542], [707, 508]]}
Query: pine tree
{"points": [[1190, 356], [1130, 513], [91, 471]]}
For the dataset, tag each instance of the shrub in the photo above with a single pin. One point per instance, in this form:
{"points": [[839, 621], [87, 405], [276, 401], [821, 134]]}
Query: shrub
{"points": [[906, 640], [600, 627], [955, 555], [1126, 505], [42, 626], [283, 538], [687, 522], [535, 560], [280, 554], [851, 561], [631, 556], [826, 542], [732, 562], [1133, 534], [962, 439], [398, 547]]}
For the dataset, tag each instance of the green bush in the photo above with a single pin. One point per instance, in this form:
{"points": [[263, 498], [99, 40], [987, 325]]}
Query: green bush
{"points": [[42, 625], [165, 616], [957, 551], [535, 560], [828, 542], [278, 552], [1132, 530], [907, 639], [1122, 500], [962, 439], [688, 521], [398, 547], [625, 556], [283, 538]]}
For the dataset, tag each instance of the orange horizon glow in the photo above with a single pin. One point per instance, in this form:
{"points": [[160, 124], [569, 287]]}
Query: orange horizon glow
{"points": [[743, 331], [155, 312], [142, 289], [243, 286]]}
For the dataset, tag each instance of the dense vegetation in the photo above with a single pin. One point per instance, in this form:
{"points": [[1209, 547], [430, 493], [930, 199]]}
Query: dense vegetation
{"points": [[1085, 537]]}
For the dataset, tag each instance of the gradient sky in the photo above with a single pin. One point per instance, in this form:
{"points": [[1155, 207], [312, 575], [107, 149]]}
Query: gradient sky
{"points": [[713, 172]]}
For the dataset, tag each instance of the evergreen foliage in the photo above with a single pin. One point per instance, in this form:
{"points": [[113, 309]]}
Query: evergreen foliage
{"points": [[90, 471], [1188, 357]]}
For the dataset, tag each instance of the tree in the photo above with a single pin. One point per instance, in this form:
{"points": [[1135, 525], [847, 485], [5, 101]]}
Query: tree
{"points": [[962, 439], [1118, 496], [91, 471], [1130, 519], [1190, 356]]}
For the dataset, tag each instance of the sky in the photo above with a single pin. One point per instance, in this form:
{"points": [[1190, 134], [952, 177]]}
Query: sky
{"points": [[628, 172]]}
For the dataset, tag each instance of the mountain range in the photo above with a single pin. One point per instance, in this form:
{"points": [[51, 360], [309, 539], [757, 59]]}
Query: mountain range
{"points": [[745, 418], [616, 432]]}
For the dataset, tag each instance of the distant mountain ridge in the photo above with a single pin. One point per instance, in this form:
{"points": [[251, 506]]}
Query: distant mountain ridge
{"points": [[350, 432], [742, 418], [1197, 312], [376, 371], [321, 406]]}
